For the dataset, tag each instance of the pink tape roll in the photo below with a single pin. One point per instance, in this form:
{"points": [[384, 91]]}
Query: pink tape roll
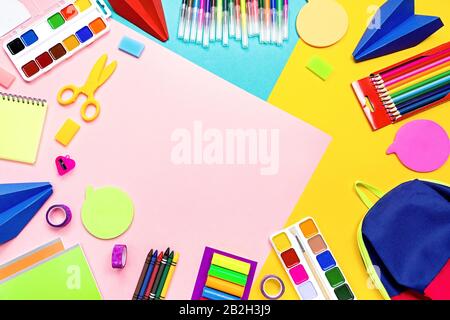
{"points": [[119, 256]]}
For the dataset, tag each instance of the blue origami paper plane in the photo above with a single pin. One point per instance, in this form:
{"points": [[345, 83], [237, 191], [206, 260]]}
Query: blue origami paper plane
{"points": [[395, 27], [19, 202]]}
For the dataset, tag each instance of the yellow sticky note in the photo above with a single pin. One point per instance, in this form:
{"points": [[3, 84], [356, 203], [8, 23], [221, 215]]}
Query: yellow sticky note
{"points": [[67, 132]]}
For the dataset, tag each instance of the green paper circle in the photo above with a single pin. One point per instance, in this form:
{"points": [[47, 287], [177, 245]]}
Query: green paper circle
{"points": [[107, 212]]}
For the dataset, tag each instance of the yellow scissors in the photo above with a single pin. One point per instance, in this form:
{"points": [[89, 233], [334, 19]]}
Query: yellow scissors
{"points": [[97, 78]]}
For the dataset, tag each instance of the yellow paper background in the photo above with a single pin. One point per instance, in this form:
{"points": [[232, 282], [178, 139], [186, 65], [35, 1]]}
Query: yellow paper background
{"points": [[356, 153]]}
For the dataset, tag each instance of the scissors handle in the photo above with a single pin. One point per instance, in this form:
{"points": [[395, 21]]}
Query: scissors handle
{"points": [[90, 103], [71, 90]]}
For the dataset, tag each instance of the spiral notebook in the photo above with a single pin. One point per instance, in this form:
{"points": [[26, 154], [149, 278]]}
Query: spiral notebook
{"points": [[21, 123]]}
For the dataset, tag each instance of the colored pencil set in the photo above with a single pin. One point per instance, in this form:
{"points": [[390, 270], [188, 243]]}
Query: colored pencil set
{"points": [[206, 21], [409, 87], [156, 275]]}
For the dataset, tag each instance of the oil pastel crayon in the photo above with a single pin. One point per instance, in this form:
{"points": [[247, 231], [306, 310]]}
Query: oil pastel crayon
{"points": [[162, 266], [169, 276], [153, 276], [164, 276], [143, 273], [148, 275]]}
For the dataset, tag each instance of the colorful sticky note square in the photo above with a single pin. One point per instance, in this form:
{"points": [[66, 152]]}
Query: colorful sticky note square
{"points": [[67, 132], [131, 46], [320, 67]]}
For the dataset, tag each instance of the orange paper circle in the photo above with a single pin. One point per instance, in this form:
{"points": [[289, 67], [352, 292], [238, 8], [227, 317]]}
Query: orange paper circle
{"points": [[322, 23]]}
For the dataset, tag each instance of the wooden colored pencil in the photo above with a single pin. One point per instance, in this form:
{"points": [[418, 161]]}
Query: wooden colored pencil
{"points": [[420, 76], [412, 65]]}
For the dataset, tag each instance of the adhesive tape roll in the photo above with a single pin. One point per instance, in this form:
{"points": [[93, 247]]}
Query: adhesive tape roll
{"points": [[119, 256], [278, 281]]}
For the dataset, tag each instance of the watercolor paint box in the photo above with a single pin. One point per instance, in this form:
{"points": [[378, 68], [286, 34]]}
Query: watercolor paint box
{"points": [[223, 276], [57, 36], [307, 259]]}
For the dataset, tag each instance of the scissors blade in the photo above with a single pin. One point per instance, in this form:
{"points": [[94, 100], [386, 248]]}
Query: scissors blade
{"points": [[94, 76], [107, 72]]}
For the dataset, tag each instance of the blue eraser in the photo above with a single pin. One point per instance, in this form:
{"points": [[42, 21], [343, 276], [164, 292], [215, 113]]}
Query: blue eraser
{"points": [[131, 46]]}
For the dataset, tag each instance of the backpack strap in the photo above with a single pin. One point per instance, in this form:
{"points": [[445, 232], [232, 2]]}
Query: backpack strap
{"points": [[360, 185]]}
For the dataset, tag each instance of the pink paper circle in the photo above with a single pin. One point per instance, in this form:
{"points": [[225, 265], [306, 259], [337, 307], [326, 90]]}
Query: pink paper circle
{"points": [[421, 145]]}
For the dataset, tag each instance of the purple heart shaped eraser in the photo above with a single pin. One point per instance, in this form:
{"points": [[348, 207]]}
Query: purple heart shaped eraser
{"points": [[421, 145]]}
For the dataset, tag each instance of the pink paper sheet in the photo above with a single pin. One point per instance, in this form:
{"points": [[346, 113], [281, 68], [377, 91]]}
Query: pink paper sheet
{"points": [[230, 207]]}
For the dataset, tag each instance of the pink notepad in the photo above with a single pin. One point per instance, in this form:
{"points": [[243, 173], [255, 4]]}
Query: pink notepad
{"points": [[148, 106]]}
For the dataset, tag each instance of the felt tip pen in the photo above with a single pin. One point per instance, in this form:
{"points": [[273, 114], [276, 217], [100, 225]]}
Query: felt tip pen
{"points": [[249, 17], [225, 23], [237, 8], [201, 19], [255, 7], [267, 20], [279, 38], [187, 28], [182, 22], [261, 21], [232, 18], [206, 33], [286, 20], [212, 32], [273, 12], [195, 10], [219, 20], [244, 25]]}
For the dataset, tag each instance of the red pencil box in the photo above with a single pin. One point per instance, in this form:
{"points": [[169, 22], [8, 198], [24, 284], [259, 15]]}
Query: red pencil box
{"points": [[370, 97]]}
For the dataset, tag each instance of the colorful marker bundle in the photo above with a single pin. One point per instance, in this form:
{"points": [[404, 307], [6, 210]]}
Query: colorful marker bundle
{"points": [[206, 21], [156, 275], [223, 276], [406, 88]]}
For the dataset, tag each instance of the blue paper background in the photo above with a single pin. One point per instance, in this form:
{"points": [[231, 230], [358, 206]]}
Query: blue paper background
{"points": [[255, 69]]}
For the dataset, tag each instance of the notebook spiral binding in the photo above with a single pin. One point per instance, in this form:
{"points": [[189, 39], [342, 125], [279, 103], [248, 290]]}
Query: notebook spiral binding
{"points": [[23, 99]]}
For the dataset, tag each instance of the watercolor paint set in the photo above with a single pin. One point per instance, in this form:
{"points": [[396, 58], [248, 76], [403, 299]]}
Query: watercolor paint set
{"points": [[223, 276], [57, 36], [307, 259]]}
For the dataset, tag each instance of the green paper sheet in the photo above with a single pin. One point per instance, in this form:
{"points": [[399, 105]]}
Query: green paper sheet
{"points": [[65, 276]]}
